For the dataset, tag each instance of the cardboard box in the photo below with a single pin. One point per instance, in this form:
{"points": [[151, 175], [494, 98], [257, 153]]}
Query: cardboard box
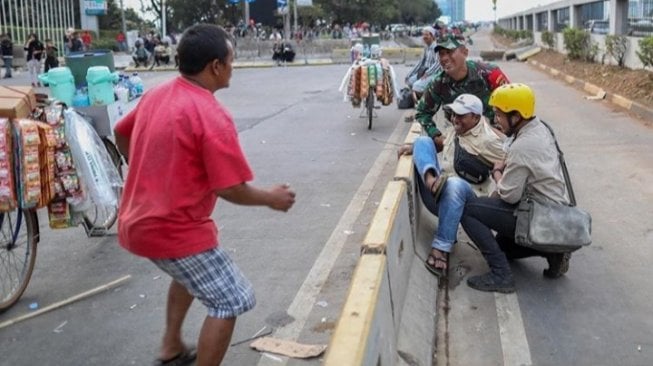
{"points": [[16, 101]]}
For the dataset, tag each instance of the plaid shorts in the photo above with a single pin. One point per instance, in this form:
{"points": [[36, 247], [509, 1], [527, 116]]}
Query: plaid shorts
{"points": [[214, 279]]}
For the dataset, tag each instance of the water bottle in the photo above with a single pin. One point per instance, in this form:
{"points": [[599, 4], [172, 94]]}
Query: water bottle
{"points": [[136, 84], [80, 99]]}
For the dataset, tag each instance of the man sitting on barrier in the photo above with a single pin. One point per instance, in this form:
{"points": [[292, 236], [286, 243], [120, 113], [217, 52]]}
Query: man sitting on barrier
{"points": [[429, 66], [458, 76], [469, 150]]}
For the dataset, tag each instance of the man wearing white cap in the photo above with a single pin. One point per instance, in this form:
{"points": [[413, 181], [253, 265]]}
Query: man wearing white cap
{"points": [[428, 67], [461, 172]]}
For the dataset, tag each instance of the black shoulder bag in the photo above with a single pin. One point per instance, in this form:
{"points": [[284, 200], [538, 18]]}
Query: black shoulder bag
{"points": [[472, 168]]}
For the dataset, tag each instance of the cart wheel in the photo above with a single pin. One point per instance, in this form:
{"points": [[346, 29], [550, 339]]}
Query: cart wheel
{"points": [[18, 237], [370, 108], [99, 219]]}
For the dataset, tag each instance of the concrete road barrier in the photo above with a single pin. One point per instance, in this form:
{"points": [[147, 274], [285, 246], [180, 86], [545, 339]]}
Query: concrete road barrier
{"points": [[390, 291]]}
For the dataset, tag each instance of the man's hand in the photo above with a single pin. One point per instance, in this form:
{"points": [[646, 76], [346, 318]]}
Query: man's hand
{"points": [[439, 142], [281, 198], [499, 166], [405, 149]]}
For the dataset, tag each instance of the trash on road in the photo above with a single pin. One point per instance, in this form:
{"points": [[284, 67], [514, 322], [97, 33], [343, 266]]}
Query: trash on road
{"points": [[322, 304], [288, 348], [34, 306], [59, 328]]}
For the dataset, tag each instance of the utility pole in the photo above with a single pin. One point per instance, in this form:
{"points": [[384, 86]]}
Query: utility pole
{"points": [[164, 31], [122, 17], [294, 3], [246, 7]]}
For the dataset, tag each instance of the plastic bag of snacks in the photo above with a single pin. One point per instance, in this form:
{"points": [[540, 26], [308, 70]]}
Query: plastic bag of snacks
{"points": [[67, 185], [47, 161], [99, 175], [28, 167], [7, 188]]}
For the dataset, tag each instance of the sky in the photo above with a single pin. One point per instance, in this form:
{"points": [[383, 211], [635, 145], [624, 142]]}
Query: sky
{"points": [[482, 9], [476, 9]]}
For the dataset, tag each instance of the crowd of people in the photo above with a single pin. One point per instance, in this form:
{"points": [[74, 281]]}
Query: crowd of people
{"points": [[476, 173]]}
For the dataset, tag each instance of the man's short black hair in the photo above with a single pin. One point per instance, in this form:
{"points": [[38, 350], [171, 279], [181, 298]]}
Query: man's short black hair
{"points": [[200, 45]]}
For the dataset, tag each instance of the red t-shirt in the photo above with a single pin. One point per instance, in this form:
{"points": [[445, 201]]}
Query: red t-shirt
{"points": [[183, 147]]}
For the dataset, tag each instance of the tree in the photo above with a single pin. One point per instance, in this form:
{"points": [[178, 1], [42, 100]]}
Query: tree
{"points": [[113, 19]]}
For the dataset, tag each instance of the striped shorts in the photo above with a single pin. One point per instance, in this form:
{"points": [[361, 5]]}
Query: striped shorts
{"points": [[214, 279]]}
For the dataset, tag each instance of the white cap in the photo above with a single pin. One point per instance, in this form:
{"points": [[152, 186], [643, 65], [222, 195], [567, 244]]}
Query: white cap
{"points": [[430, 30], [466, 103]]}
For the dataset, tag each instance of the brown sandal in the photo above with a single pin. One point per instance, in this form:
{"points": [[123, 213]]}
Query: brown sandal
{"points": [[438, 185]]}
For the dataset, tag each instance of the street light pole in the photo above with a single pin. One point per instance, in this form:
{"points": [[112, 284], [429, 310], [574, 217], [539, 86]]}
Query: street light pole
{"points": [[164, 31], [122, 17], [295, 15]]}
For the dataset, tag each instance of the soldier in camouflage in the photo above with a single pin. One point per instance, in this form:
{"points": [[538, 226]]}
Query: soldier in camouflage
{"points": [[458, 76]]}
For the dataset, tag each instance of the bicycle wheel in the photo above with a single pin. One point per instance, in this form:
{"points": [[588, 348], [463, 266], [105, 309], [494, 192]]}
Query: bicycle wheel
{"points": [[18, 237], [370, 108], [99, 219]]}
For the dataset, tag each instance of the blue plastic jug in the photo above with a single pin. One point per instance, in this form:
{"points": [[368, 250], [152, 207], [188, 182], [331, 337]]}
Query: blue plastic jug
{"points": [[100, 85], [61, 82]]}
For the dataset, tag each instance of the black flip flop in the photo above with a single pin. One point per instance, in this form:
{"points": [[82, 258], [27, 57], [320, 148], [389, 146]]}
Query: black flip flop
{"points": [[438, 272], [184, 358]]}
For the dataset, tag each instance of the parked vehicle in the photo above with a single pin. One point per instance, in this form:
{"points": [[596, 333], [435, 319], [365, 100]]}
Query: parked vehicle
{"points": [[597, 26]]}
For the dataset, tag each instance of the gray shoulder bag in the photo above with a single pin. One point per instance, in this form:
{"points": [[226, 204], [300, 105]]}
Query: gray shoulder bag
{"points": [[552, 227]]}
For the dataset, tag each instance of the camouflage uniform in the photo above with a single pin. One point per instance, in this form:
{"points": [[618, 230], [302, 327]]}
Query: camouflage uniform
{"points": [[482, 78]]}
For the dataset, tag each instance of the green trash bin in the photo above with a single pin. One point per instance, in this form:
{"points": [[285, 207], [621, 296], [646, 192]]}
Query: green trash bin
{"points": [[79, 62]]}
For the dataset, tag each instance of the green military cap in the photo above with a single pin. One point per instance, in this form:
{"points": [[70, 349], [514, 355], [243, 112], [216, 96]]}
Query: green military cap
{"points": [[450, 43]]}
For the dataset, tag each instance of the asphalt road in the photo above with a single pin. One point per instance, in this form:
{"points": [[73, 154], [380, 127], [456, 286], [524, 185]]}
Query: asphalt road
{"points": [[600, 312], [294, 127]]}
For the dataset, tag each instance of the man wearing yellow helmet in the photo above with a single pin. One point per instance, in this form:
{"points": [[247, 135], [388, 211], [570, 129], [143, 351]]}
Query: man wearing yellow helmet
{"points": [[531, 165]]}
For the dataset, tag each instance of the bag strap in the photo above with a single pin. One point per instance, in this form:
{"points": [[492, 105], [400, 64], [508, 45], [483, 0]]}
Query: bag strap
{"points": [[479, 157], [565, 172]]}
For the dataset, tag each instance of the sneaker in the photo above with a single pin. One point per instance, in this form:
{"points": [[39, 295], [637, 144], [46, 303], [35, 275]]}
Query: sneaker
{"points": [[558, 265], [491, 282]]}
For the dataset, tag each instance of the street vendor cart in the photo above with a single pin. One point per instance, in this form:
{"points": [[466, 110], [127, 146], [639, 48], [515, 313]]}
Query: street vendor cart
{"points": [[370, 78], [50, 157]]}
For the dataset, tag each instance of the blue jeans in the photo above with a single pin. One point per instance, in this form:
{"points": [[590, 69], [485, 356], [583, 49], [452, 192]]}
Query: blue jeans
{"points": [[8, 65], [449, 208]]}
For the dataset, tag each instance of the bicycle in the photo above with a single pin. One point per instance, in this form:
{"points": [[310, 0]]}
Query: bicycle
{"points": [[19, 236], [368, 110]]}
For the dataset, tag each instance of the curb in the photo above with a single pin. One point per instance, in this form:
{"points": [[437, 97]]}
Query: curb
{"points": [[241, 65], [598, 92]]}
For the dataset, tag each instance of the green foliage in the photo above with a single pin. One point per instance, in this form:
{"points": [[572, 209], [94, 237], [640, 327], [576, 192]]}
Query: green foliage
{"points": [[579, 45], [645, 52], [515, 35], [616, 46], [105, 44], [549, 39]]}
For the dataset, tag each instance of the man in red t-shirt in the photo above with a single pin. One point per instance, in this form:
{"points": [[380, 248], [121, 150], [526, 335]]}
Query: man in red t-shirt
{"points": [[184, 153]]}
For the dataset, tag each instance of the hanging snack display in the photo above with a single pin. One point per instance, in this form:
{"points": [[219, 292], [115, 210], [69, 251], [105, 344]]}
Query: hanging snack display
{"points": [[7, 188], [369, 75], [28, 168]]}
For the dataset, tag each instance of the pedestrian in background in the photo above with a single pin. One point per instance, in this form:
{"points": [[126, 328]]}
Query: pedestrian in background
{"points": [[7, 51], [68, 40], [170, 194], [51, 60], [121, 42], [87, 39], [34, 49]]}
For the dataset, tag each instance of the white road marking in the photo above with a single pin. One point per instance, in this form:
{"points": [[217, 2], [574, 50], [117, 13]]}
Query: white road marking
{"points": [[306, 297], [514, 344]]}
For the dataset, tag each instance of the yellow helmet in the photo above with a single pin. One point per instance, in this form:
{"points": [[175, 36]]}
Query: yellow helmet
{"points": [[514, 98]]}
